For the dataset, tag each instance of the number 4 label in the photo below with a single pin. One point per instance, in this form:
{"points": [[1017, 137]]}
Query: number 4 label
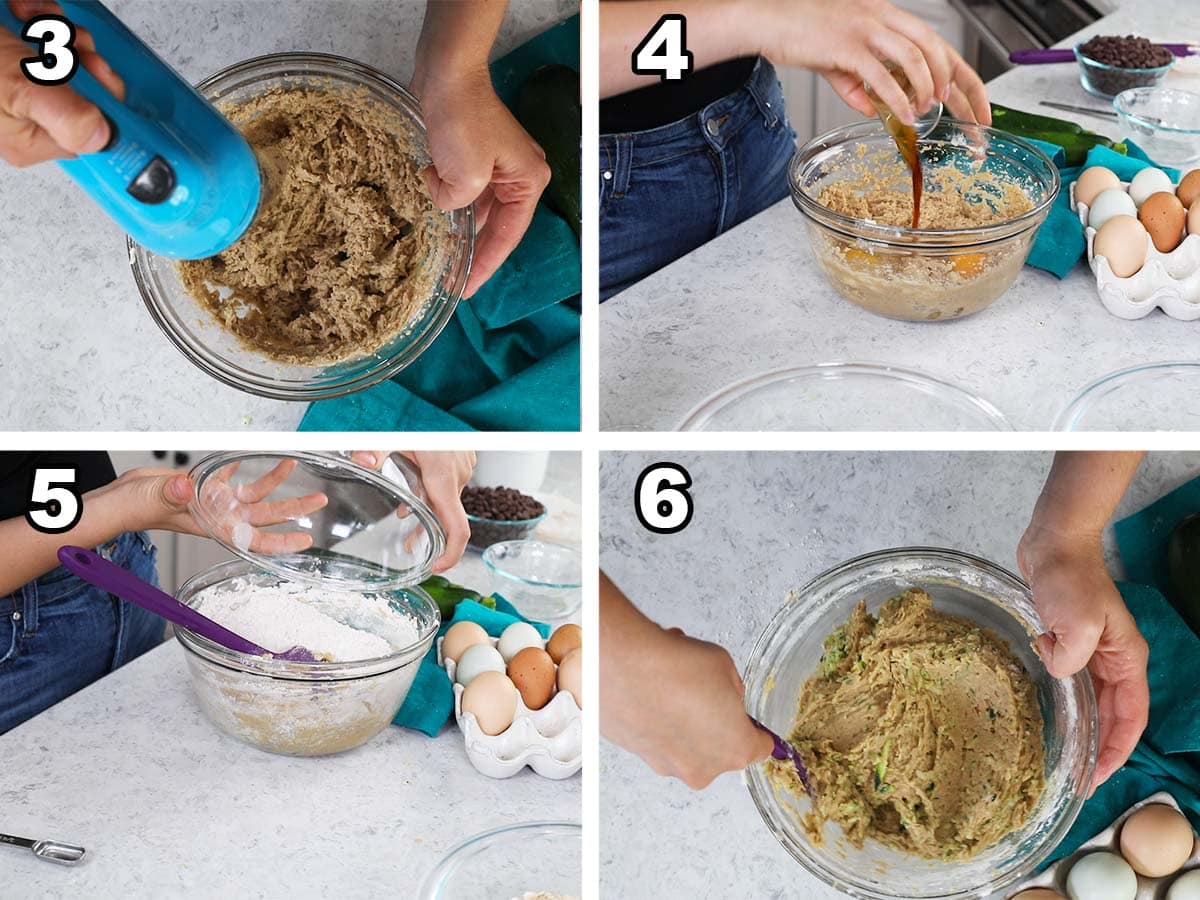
{"points": [[661, 499], [54, 505], [664, 51]]}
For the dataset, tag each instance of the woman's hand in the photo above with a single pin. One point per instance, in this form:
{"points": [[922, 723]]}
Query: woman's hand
{"points": [[444, 474], [42, 122]]}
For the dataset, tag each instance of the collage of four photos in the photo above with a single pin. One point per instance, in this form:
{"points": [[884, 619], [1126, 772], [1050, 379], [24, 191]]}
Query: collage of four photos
{"points": [[919, 619]]}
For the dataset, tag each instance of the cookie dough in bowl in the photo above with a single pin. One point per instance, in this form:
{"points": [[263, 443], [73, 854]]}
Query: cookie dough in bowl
{"points": [[915, 646], [348, 271]]}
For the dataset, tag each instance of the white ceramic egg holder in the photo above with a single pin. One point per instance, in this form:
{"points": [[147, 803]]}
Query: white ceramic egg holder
{"points": [[1055, 877], [548, 740], [1167, 280]]}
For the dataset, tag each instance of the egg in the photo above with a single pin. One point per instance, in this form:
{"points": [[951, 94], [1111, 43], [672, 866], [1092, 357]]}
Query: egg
{"points": [[1092, 181], [1123, 242], [1163, 215], [532, 671], [1185, 887], [1193, 219], [1147, 182], [1189, 188], [565, 639], [1101, 876], [1109, 203], [459, 637], [570, 676], [1156, 840], [492, 699], [516, 637], [477, 659], [1038, 894]]}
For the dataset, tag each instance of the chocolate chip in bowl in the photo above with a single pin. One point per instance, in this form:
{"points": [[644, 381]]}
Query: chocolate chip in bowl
{"points": [[1109, 64], [498, 514]]}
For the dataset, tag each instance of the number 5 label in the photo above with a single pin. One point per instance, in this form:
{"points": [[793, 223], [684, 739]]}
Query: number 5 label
{"points": [[661, 499], [54, 505], [664, 51]]}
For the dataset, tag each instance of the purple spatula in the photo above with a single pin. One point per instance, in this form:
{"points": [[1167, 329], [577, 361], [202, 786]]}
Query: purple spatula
{"points": [[784, 750], [95, 569]]}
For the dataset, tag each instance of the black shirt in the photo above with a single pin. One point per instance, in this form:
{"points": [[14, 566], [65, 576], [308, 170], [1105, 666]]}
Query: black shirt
{"points": [[669, 101], [92, 470]]}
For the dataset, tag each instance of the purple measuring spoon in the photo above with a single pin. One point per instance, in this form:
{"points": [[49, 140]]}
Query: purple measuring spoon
{"points": [[95, 569], [784, 750], [1038, 57]]}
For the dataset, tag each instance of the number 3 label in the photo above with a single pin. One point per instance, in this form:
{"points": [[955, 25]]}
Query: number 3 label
{"points": [[661, 500], [56, 61], [664, 51], [54, 506]]}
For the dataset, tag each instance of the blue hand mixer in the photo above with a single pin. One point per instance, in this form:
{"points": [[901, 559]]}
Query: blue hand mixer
{"points": [[177, 176]]}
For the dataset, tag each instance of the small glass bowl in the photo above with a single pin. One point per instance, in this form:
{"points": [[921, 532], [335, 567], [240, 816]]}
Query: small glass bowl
{"points": [[1165, 122], [485, 532], [1155, 397], [543, 580], [198, 335], [1104, 80], [510, 862], [921, 275], [787, 654], [303, 708]]}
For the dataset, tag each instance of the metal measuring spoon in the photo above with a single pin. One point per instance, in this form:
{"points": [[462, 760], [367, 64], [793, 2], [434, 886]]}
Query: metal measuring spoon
{"points": [[784, 750], [51, 851]]}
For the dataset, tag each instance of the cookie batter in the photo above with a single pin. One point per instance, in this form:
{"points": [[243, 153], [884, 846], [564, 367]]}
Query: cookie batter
{"points": [[920, 730], [344, 249]]}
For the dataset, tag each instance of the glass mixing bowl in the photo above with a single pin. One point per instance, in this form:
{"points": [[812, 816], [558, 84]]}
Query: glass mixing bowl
{"points": [[201, 338], [1165, 122], [510, 862], [787, 654], [306, 709], [1153, 397], [542, 580], [922, 275]]}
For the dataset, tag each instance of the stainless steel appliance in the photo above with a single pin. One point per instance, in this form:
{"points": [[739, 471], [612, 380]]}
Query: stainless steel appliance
{"points": [[995, 28]]}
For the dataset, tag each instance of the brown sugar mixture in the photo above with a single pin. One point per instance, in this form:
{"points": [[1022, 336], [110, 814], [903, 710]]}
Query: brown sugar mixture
{"points": [[341, 254]]}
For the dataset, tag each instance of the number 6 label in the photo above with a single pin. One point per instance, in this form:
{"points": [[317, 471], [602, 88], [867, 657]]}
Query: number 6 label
{"points": [[54, 505], [661, 499]]}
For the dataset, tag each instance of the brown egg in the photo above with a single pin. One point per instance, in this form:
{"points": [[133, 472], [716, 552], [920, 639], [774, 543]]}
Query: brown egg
{"points": [[492, 699], [532, 671], [565, 639], [1163, 215], [1122, 241], [1038, 894], [1156, 840], [1193, 220], [570, 676], [459, 637], [1189, 188], [1092, 181]]}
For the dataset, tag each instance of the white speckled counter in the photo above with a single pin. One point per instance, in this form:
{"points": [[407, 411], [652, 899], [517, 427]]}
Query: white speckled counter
{"points": [[764, 524], [78, 349], [167, 806], [754, 299]]}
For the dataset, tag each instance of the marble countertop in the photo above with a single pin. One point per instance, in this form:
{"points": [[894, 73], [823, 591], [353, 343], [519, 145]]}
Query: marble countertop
{"points": [[765, 523], [754, 300], [78, 349]]}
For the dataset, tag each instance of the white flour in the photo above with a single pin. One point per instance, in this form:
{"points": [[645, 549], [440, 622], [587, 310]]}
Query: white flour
{"points": [[284, 615]]}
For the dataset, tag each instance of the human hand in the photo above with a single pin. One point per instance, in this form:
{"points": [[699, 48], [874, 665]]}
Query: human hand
{"points": [[848, 43], [444, 474], [1088, 625], [41, 122], [481, 156], [678, 703]]}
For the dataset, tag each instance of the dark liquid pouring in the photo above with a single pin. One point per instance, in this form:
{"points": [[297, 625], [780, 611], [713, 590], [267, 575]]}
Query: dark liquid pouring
{"points": [[905, 137]]}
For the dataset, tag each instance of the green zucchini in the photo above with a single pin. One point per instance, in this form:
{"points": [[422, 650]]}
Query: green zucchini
{"points": [[549, 110], [1017, 121], [1183, 570], [1075, 141]]}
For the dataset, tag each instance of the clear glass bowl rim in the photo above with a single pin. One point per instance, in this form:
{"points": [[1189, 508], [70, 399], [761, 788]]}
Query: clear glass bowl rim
{"points": [[1153, 126], [1080, 681], [1069, 418], [731, 393], [1095, 63], [489, 559], [264, 386], [483, 521], [446, 867], [900, 236], [288, 670]]}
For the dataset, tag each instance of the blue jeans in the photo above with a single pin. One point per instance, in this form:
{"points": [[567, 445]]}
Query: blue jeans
{"points": [[666, 191], [59, 634]]}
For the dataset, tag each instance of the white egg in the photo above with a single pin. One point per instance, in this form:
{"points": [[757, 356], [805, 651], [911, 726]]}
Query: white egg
{"points": [[1113, 202], [516, 637], [1147, 182], [476, 659], [1185, 887], [1102, 876]]}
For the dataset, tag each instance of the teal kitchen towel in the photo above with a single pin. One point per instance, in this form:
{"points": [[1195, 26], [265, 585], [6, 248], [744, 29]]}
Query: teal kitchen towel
{"points": [[430, 701], [509, 358]]}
